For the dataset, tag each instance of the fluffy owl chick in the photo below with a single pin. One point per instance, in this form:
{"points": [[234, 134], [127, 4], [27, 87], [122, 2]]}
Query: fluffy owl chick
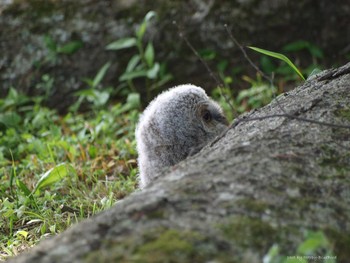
{"points": [[176, 124]]}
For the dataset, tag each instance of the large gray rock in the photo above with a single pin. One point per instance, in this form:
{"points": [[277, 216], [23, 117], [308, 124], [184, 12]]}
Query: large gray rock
{"points": [[266, 24], [265, 182]]}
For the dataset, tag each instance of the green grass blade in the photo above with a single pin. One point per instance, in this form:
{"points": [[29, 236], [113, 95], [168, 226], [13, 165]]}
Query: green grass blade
{"points": [[12, 176], [278, 56], [122, 43], [52, 176], [23, 187], [101, 73]]}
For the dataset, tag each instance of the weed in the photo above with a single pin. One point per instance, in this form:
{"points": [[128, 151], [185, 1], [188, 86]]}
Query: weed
{"points": [[94, 95], [279, 56], [54, 50], [142, 64], [315, 247]]}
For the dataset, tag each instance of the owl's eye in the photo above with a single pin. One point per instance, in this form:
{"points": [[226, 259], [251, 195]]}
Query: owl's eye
{"points": [[206, 116]]}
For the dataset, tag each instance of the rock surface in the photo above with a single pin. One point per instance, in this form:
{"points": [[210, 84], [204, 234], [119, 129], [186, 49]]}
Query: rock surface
{"points": [[265, 183], [26, 57]]}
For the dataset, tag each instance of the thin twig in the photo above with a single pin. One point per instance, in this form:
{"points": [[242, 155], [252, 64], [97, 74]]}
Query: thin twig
{"points": [[246, 55], [219, 83]]}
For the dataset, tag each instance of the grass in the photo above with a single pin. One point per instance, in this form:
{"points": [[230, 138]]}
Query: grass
{"points": [[56, 170]]}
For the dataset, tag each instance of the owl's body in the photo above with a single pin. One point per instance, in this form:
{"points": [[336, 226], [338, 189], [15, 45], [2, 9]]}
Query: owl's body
{"points": [[176, 124]]}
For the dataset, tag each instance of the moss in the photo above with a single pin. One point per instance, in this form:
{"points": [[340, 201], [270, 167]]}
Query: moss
{"points": [[171, 246], [252, 205], [163, 245], [155, 214], [335, 159], [343, 113], [249, 233], [344, 118]]}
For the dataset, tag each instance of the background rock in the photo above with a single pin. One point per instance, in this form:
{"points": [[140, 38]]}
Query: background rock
{"points": [[267, 24]]}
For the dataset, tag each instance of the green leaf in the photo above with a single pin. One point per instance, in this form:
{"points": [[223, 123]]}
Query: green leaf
{"points": [[85, 92], [208, 54], [296, 46], [133, 62], [88, 81], [316, 52], [101, 73], [272, 254], [70, 47], [50, 44], [52, 176], [43, 228], [122, 43], [100, 98], [12, 95], [267, 65], [153, 72], [10, 119], [23, 187], [149, 54], [92, 150], [314, 241], [133, 100], [150, 15], [12, 99], [22, 233], [141, 31], [302, 44], [133, 75], [278, 56]]}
